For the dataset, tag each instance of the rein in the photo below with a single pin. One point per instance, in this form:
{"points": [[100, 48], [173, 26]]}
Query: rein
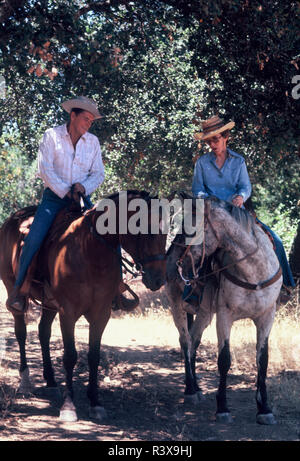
{"points": [[196, 279]]}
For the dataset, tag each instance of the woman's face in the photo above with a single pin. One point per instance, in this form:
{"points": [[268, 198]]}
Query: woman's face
{"points": [[218, 144]]}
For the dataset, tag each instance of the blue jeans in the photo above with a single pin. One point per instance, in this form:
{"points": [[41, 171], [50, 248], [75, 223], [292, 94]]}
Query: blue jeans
{"points": [[46, 212], [288, 279]]}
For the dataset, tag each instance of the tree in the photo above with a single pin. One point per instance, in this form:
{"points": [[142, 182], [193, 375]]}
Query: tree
{"points": [[155, 68]]}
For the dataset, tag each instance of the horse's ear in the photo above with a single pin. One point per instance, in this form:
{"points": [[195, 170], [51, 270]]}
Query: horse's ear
{"points": [[184, 195], [171, 196]]}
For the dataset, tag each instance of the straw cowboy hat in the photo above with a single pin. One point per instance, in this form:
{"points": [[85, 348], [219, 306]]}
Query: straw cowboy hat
{"points": [[82, 102], [213, 126]]}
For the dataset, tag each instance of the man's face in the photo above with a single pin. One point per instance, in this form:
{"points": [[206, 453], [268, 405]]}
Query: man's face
{"points": [[217, 144], [82, 122]]}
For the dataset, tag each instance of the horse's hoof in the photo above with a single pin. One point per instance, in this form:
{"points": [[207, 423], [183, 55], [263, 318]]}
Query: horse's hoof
{"points": [[98, 413], [25, 389], [25, 386], [267, 419], [68, 416], [224, 418]]}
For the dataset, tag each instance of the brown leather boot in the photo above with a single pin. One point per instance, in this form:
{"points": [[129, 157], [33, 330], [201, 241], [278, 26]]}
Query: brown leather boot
{"points": [[120, 302], [16, 302]]}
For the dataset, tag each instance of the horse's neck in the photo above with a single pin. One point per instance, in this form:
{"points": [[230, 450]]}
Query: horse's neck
{"points": [[245, 250], [96, 232], [236, 240]]}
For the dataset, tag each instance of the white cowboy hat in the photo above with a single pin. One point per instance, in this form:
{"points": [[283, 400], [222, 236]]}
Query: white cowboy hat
{"points": [[82, 102], [213, 126]]}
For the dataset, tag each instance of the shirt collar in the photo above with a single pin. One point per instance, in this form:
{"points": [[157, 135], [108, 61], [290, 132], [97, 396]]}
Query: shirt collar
{"points": [[230, 153], [66, 133]]}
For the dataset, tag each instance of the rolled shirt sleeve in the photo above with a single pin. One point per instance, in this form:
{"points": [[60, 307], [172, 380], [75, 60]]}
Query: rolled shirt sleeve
{"points": [[244, 185], [198, 188]]}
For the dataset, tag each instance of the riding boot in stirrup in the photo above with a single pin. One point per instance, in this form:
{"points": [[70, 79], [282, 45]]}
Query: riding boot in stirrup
{"points": [[122, 303], [16, 301]]}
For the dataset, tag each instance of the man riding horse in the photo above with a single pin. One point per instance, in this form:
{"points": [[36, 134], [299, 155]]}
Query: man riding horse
{"points": [[70, 165]]}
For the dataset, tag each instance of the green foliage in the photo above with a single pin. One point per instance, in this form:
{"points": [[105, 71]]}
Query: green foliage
{"points": [[155, 118], [275, 215], [18, 182], [155, 69], [248, 52]]}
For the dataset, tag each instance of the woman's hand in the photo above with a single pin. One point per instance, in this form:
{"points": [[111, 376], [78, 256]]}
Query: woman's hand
{"points": [[238, 201]]}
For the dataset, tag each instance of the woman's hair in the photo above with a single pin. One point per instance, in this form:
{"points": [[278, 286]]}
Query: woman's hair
{"points": [[225, 133]]}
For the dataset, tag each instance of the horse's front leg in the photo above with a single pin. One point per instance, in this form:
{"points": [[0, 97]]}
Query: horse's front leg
{"points": [[263, 326], [183, 322], [25, 386], [224, 324], [44, 337], [196, 329], [68, 410], [96, 408]]}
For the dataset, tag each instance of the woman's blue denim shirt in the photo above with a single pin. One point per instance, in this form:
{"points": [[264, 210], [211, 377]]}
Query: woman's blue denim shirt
{"points": [[232, 179]]}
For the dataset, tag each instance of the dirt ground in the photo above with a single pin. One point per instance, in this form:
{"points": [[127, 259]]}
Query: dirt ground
{"points": [[142, 384]]}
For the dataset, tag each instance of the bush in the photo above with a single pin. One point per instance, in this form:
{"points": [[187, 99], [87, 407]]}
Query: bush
{"points": [[19, 184], [277, 216]]}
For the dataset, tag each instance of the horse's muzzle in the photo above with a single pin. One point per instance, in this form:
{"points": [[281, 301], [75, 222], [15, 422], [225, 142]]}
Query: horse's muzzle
{"points": [[153, 279]]}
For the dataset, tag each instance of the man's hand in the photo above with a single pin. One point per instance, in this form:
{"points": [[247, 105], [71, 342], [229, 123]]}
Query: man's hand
{"points": [[238, 201], [75, 192]]}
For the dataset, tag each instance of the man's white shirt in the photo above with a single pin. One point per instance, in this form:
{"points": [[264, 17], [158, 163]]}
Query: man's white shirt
{"points": [[60, 165]]}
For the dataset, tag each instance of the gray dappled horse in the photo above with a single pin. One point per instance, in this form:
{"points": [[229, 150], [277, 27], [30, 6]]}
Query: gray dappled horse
{"points": [[248, 279]]}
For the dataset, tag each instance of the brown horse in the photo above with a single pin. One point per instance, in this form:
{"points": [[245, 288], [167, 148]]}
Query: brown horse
{"points": [[79, 274]]}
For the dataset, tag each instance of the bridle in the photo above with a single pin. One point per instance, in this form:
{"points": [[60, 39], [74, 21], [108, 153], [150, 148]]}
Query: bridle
{"points": [[135, 268], [222, 269], [187, 251]]}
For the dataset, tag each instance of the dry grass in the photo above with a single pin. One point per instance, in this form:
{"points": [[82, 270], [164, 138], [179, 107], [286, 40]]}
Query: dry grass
{"points": [[152, 326]]}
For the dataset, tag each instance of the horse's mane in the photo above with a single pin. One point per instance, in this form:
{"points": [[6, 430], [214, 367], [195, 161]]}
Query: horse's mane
{"points": [[240, 215], [143, 194]]}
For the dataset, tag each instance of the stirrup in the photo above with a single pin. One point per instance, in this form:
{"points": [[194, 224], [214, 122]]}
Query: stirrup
{"points": [[17, 304], [122, 303]]}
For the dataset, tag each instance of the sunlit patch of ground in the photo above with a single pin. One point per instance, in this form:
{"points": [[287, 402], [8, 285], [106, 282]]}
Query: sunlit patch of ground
{"points": [[141, 377]]}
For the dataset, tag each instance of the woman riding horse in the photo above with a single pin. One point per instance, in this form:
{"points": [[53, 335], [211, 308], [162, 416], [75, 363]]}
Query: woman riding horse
{"points": [[223, 173]]}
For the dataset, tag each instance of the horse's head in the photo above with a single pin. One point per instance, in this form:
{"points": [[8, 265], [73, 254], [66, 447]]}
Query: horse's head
{"points": [[139, 227], [145, 240], [197, 239], [223, 226]]}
